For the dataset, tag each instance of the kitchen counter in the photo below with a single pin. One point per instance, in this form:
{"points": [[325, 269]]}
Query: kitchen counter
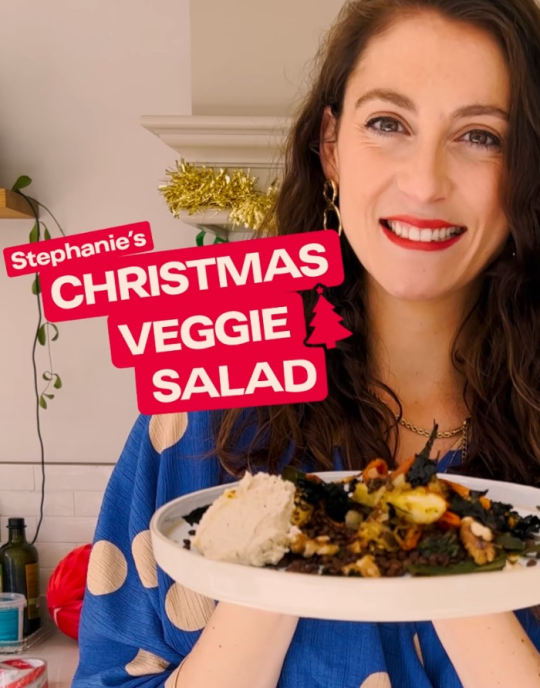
{"points": [[62, 656]]}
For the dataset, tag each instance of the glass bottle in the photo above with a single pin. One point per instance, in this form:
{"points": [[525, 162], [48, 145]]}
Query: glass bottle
{"points": [[19, 562], [1, 576]]}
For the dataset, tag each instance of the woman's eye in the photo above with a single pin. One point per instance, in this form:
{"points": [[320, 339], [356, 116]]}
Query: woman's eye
{"points": [[388, 125], [483, 139], [478, 138]]}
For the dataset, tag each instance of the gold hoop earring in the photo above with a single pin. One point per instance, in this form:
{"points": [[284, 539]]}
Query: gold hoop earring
{"points": [[330, 193]]}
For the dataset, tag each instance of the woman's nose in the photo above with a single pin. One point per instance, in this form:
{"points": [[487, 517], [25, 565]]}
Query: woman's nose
{"points": [[424, 174]]}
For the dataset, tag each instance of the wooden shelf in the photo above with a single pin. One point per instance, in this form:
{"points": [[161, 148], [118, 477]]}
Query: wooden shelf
{"points": [[14, 207]]}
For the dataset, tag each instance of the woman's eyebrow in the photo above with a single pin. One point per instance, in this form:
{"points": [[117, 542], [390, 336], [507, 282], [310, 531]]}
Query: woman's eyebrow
{"points": [[404, 102]]}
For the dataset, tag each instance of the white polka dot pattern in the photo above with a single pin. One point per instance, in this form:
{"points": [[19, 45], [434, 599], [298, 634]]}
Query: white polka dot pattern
{"points": [[187, 610], [107, 569], [418, 648], [378, 680], [143, 555], [167, 429], [145, 663]]}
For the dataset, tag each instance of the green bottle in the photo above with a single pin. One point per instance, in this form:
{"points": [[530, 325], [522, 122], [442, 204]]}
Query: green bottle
{"points": [[19, 563], [1, 578]]}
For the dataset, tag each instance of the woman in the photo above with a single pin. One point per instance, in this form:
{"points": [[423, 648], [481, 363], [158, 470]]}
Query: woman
{"points": [[423, 117]]}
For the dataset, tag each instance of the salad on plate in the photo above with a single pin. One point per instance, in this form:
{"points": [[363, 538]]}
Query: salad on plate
{"points": [[376, 523]]}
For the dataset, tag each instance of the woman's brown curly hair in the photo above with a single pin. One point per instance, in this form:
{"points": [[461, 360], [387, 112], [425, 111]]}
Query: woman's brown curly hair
{"points": [[501, 364]]}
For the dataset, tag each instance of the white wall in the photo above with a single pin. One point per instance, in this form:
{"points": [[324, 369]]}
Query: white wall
{"points": [[75, 76], [252, 57]]}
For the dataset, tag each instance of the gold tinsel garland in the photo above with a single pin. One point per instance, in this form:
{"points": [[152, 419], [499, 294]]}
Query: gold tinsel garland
{"points": [[197, 189]]}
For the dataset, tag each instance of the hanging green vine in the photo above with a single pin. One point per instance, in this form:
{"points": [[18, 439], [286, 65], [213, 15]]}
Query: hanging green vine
{"points": [[43, 335], [46, 331]]}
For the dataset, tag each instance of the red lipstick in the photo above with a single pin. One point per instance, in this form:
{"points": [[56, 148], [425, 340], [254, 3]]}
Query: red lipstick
{"points": [[420, 245], [421, 223]]}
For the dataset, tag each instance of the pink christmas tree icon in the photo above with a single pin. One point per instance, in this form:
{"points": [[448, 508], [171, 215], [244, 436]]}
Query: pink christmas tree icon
{"points": [[326, 323]]}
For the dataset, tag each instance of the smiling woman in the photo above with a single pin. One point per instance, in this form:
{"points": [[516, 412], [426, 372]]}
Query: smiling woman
{"points": [[422, 113], [423, 116], [422, 138]]}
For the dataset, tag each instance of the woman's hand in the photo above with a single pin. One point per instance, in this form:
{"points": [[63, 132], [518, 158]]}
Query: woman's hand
{"points": [[490, 651]]}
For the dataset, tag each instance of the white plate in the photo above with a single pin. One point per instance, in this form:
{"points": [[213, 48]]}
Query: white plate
{"points": [[340, 598]]}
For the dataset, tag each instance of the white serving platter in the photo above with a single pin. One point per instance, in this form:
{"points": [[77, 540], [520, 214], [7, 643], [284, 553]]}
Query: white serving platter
{"points": [[405, 598]]}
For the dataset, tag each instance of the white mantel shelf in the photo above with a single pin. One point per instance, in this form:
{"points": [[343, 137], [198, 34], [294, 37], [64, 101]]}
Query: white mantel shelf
{"points": [[255, 144], [248, 142]]}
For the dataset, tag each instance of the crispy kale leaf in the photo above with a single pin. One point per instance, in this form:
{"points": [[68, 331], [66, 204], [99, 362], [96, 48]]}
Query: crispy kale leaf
{"points": [[500, 517], [526, 527], [423, 468], [195, 516], [437, 542], [336, 500], [421, 472], [473, 508], [333, 495]]}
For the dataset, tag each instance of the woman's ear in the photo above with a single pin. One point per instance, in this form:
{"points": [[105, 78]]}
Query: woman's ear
{"points": [[328, 145]]}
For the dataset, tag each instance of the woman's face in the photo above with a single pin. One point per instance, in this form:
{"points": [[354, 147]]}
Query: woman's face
{"points": [[420, 140]]}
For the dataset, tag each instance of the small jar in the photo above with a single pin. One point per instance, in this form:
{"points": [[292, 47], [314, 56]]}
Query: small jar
{"points": [[11, 616]]}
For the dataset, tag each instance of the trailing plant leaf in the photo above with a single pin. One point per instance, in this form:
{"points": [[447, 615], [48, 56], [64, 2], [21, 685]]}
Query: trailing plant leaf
{"points": [[49, 396], [36, 287], [42, 335], [42, 402], [22, 182], [57, 382], [34, 234], [56, 333], [47, 376], [46, 233]]}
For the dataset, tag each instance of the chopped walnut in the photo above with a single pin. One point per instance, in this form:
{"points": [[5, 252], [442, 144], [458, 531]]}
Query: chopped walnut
{"points": [[302, 544], [476, 539], [366, 567]]}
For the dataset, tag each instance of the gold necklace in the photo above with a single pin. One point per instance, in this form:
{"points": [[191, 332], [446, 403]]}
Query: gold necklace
{"points": [[463, 429], [420, 431]]}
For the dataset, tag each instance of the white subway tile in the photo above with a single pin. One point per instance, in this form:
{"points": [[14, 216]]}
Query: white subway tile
{"points": [[44, 576], [16, 476], [45, 616], [73, 478], [31, 523], [52, 553], [74, 529], [56, 503], [87, 503]]}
